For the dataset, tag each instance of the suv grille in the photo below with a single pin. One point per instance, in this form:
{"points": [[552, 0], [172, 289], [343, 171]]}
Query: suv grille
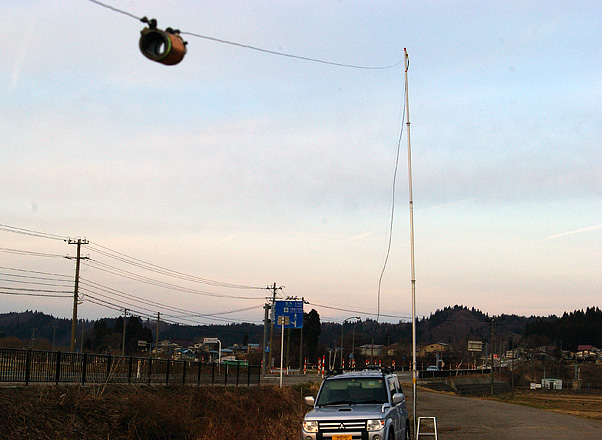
{"points": [[342, 426]]}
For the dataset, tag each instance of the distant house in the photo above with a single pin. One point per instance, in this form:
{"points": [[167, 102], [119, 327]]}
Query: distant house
{"points": [[434, 348], [587, 352], [371, 350]]}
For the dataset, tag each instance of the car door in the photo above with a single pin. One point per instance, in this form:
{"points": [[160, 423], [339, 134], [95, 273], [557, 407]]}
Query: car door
{"points": [[396, 411]]}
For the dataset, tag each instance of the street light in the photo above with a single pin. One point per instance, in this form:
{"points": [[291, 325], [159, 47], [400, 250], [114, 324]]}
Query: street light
{"points": [[342, 326]]}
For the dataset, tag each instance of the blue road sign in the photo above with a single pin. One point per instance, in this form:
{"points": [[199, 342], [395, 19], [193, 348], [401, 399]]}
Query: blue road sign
{"points": [[291, 309]]}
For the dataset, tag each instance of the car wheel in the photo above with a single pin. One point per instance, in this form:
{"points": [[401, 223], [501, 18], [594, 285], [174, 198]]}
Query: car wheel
{"points": [[391, 434]]}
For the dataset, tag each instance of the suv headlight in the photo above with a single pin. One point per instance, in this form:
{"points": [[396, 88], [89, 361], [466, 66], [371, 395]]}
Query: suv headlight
{"points": [[375, 425], [310, 426]]}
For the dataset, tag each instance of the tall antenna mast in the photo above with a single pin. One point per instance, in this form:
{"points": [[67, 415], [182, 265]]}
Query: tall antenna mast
{"points": [[414, 369]]}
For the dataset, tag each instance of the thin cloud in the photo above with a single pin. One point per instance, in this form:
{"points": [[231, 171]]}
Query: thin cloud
{"points": [[578, 231], [361, 236]]}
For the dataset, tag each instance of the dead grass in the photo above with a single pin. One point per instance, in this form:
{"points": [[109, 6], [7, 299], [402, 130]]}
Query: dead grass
{"points": [[587, 406], [131, 412]]}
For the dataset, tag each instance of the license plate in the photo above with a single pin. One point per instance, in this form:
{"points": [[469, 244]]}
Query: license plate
{"points": [[342, 437]]}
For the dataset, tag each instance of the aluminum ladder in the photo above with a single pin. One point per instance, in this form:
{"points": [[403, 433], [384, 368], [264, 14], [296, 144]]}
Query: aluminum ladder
{"points": [[432, 425]]}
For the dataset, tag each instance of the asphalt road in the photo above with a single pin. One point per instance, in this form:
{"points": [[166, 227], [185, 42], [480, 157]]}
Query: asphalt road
{"points": [[464, 418]]}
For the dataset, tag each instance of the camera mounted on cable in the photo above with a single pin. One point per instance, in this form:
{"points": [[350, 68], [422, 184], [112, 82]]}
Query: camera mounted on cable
{"points": [[165, 47]]}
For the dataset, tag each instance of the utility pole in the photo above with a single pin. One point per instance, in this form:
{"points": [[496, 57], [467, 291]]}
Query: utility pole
{"points": [[53, 335], [157, 337], [266, 308], [125, 314], [82, 341], [301, 343], [492, 350], [273, 289], [79, 243]]}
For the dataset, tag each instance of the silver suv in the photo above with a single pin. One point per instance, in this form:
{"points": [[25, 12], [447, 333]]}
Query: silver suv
{"points": [[358, 405]]}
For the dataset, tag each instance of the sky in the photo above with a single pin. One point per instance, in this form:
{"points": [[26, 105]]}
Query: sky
{"points": [[197, 186]]}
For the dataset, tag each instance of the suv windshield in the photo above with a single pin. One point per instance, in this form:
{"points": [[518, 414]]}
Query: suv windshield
{"points": [[353, 391]]}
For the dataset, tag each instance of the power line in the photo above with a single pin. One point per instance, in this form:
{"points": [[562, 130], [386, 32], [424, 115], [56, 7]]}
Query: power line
{"points": [[30, 253], [34, 271], [163, 270], [31, 233], [255, 48], [361, 312], [47, 295], [99, 289], [140, 278]]}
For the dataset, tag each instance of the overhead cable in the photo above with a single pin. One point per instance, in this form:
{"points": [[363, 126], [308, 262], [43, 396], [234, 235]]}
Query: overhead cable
{"points": [[136, 277], [31, 233], [255, 48], [163, 270]]}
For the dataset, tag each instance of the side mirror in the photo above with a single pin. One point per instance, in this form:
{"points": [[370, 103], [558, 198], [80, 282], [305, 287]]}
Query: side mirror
{"points": [[398, 398], [309, 400]]}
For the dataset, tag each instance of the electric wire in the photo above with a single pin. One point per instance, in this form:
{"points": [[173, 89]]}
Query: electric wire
{"points": [[162, 270], [360, 312], [36, 283], [189, 313], [140, 278], [46, 295], [30, 253], [255, 48], [34, 271], [31, 233]]}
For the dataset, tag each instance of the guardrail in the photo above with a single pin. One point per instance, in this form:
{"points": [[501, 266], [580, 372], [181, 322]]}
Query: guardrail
{"points": [[426, 374], [27, 366]]}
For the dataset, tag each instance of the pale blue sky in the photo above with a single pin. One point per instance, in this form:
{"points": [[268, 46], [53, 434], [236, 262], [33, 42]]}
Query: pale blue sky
{"points": [[250, 168]]}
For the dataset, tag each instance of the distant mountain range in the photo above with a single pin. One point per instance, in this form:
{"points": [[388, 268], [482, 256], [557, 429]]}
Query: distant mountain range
{"points": [[451, 325]]}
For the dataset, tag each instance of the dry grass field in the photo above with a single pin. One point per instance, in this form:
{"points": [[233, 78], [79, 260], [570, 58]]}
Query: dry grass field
{"points": [[136, 412], [583, 405]]}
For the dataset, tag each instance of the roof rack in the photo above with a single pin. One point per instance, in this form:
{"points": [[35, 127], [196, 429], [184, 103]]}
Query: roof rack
{"points": [[383, 370]]}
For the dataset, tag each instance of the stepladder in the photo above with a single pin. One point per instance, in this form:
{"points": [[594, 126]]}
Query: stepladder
{"points": [[426, 428]]}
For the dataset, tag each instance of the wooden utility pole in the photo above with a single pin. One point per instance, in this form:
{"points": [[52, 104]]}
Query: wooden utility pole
{"points": [[264, 356], [492, 351], [125, 314], [79, 243], [157, 337], [273, 289]]}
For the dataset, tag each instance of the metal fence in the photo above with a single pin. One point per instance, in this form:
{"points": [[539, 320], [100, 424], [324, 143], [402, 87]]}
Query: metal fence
{"points": [[27, 366], [426, 374]]}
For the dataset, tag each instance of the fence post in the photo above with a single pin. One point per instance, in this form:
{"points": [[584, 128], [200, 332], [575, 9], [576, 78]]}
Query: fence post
{"points": [[212, 373], [249, 375], [184, 373], [58, 367], [167, 373], [84, 365], [237, 372], [198, 380], [226, 375], [27, 366]]}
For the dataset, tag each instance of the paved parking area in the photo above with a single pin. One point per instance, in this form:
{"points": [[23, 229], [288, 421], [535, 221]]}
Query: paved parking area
{"points": [[464, 418]]}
